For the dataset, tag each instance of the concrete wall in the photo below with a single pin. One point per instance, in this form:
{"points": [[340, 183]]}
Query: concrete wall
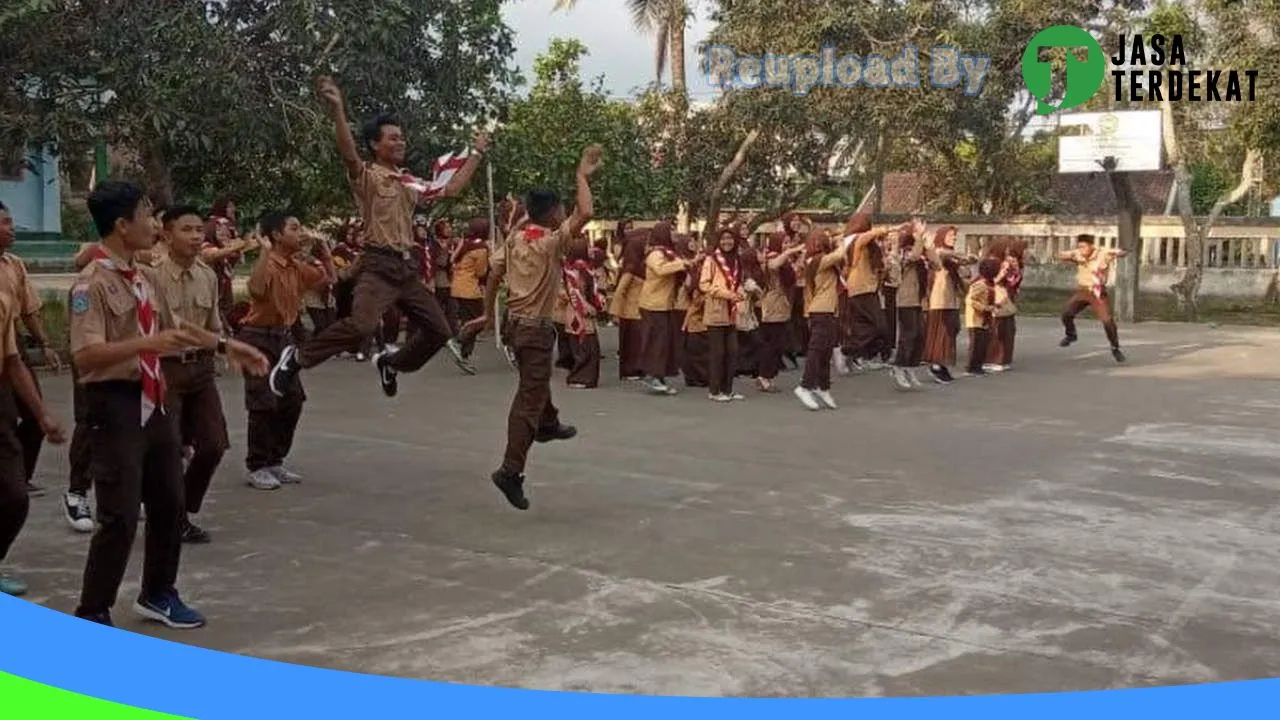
{"points": [[1240, 283], [36, 199]]}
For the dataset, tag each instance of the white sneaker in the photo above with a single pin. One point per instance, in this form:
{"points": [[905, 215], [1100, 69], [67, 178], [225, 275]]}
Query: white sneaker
{"points": [[737, 396], [75, 508], [871, 365], [825, 397], [807, 398], [993, 368], [263, 479], [285, 475], [721, 398], [900, 380], [913, 378]]}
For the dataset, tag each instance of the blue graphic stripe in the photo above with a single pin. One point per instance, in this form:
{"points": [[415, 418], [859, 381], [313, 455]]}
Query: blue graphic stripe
{"points": [[58, 650]]}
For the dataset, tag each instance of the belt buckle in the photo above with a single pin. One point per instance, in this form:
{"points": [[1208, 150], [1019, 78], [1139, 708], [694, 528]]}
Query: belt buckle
{"points": [[188, 356]]}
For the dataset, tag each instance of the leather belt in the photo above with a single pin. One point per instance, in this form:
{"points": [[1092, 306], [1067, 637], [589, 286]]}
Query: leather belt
{"points": [[190, 357]]}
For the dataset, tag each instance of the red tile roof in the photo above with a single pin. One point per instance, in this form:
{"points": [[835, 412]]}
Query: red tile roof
{"points": [[1072, 194]]}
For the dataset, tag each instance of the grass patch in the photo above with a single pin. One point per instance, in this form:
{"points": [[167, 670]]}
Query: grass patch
{"points": [[1161, 307]]}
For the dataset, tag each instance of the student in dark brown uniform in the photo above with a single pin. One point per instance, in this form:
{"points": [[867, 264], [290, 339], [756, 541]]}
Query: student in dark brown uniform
{"points": [[16, 386], [775, 308], [583, 304], [116, 343], [663, 269], [14, 280], [868, 334], [946, 292], [470, 267], [279, 279], [913, 287], [390, 272], [1093, 265], [190, 292], [625, 305], [531, 262], [822, 305], [720, 282]]}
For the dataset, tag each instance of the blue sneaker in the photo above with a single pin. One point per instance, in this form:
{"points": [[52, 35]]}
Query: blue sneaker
{"points": [[170, 610], [12, 585]]}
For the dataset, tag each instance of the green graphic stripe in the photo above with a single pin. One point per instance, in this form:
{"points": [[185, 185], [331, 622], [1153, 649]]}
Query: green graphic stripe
{"points": [[26, 700]]}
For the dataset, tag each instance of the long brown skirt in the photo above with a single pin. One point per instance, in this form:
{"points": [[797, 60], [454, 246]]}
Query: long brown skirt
{"points": [[773, 337], [798, 326], [661, 343], [695, 359], [940, 330], [866, 332], [1000, 347], [746, 360], [586, 360], [630, 349], [564, 348]]}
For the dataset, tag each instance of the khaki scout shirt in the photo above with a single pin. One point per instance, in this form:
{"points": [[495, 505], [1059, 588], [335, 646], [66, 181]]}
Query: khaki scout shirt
{"points": [[8, 330], [286, 279], [823, 295], [533, 258], [190, 293], [1098, 262], [104, 310], [386, 205], [15, 281]]}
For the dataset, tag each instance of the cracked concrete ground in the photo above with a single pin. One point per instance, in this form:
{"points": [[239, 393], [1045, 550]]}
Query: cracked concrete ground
{"points": [[1071, 525]]}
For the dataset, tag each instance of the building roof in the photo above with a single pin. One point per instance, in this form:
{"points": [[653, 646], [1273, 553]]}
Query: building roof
{"points": [[1072, 194]]}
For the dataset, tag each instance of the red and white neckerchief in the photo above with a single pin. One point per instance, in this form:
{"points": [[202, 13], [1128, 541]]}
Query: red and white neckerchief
{"points": [[576, 289], [153, 386], [442, 171], [530, 233], [1100, 271], [427, 266], [731, 277]]}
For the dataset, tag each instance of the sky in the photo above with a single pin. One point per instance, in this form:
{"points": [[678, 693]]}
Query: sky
{"points": [[617, 50]]}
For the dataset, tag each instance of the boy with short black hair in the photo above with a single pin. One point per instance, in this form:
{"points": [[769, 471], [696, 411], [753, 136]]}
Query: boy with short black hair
{"points": [[531, 260], [276, 287], [135, 449], [1093, 265]]}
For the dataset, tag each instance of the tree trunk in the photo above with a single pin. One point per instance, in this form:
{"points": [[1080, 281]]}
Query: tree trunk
{"points": [[680, 87], [882, 152], [713, 199], [1129, 227], [159, 177]]}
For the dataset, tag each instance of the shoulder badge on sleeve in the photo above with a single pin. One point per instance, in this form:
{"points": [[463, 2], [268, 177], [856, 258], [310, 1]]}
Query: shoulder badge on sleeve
{"points": [[80, 299]]}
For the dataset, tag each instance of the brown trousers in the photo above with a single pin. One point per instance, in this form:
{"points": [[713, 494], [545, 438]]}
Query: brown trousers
{"points": [[272, 420], [694, 359], [468, 310], [722, 354], [387, 279], [867, 333], [194, 403], [564, 348], [30, 436], [661, 342], [321, 318], [824, 335], [798, 326], [940, 330], [585, 369], [773, 341], [630, 349], [449, 307], [747, 354], [533, 342], [1000, 349], [978, 341], [133, 465], [1101, 307], [14, 501], [910, 337], [80, 480]]}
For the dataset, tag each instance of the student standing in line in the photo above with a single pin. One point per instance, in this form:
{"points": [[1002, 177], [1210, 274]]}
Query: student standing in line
{"points": [[979, 305], [661, 325], [531, 262], [625, 305]]}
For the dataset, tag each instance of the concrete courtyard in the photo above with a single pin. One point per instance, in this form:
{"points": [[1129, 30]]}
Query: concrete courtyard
{"points": [[1071, 525]]}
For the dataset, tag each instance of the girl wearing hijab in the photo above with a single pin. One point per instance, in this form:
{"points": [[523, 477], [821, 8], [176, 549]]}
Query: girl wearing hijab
{"points": [[583, 303], [867, 338], [469, 266], [946, 289], [775, 308], [625, 305], [689, 307], [1008, 282], [979, 305], [794, 226], [720, 282], [657, 314], [748, 313], [913, 287], [822, 308]]}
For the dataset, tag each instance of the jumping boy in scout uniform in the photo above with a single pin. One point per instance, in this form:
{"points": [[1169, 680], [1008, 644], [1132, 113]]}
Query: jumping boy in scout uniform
{"points": [[389, 274], [14, 281], [15, 379], [531, 261], [190, 291], [281, 277], [135, 448]]}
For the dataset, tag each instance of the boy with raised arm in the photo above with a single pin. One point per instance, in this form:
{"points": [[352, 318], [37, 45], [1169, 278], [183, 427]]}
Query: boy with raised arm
{"points": [[1093, 264]]}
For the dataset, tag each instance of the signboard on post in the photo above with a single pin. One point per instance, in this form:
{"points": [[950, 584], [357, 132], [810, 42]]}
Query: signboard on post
{"points": [[1133, 137]]}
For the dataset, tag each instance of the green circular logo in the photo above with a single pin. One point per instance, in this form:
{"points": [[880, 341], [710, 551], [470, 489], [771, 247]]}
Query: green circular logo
{"points": [[1082, 80]]}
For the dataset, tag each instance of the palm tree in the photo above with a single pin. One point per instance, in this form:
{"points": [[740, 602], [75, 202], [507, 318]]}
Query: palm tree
{"points": [[666, 19]]}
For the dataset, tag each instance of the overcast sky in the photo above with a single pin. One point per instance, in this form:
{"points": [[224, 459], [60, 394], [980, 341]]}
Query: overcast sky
{"points": [[617, 50]]}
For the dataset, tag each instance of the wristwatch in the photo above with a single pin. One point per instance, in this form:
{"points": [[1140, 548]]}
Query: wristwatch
{"points": [[222, 346]]}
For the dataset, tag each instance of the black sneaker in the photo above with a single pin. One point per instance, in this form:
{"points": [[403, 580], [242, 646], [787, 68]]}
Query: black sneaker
{"points": [[99, 618], [386, 376], [512, 487], [34, 490], [285, 370], [559, 432], [193, 534], [1066, 341], [941, 374], [1119, 356]]}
